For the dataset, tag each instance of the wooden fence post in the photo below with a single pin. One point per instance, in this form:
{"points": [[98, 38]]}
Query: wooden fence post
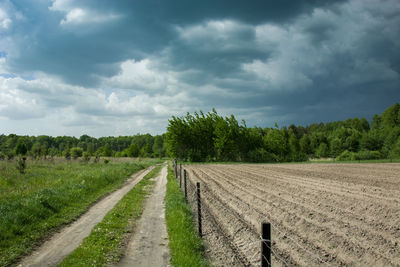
{"points": [[184, 183], [176, 170], [265, 244], [180, 175], [199, 210]]}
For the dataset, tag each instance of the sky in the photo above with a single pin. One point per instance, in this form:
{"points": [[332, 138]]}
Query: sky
{"points": [[110, 68]]}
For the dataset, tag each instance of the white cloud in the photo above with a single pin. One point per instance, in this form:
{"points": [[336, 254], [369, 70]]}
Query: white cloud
{"points": [[141, 76], [77, 14], [217, 35], [5, 21], [16, 104], [75, 109]]}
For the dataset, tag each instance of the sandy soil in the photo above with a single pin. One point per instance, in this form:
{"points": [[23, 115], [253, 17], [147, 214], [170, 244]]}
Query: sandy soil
{"points": [[149, 243], [333, 214], [53, 251]]}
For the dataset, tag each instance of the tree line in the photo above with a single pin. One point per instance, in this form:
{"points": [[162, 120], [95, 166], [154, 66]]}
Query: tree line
{"points": [[211, 137], [140, 145]]}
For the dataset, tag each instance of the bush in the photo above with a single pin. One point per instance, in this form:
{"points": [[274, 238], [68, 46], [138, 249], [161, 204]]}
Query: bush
{"points": [[367, 154], [346, 155], [96, 158], [2, 156], [10, 155], [395, 151], [76, 152], [86, 156], [299, 156], [322, 151], [67, 154], [21, 164], [21, 149], [261, 155]]}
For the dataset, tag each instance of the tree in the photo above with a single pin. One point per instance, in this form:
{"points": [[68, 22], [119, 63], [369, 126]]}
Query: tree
{"points": [[107, 152], [67, 153], [158, 146], [305, 145], [36, 150], [133, 150], [275, 142], [336, 147], [322, 151], [76, 152], [21, 148], [227, 134]]}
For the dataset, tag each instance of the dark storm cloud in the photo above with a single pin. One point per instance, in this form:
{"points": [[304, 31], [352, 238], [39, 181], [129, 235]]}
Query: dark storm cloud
{"points": [[80, 53], [265, 61]]}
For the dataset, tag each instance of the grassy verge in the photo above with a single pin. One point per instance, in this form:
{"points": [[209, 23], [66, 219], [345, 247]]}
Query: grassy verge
{"points": [[185, 245], [49, 195], [104, 244]]}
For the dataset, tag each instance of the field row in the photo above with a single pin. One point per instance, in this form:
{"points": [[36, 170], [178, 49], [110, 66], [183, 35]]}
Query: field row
{"points": [[338, 214]]}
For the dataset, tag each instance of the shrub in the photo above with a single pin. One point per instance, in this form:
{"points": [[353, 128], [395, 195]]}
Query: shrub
{"points": [[21, 164], [261, 155], [299, 156], [395, 151], [67, 154], [322, 151], [346, 155], [10, 155], [21, 149], [96, 158], [106, 161], [86, 156], [76, 152], [367, 154]]}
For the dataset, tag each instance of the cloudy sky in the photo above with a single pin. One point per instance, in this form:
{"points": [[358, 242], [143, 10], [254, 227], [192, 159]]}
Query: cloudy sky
{"points": [[107, 67]]}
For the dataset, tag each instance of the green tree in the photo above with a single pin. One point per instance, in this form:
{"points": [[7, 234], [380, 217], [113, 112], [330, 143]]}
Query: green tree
{"points": [[305, 145], [107, 152], [322, 151], [36, 150], [133, 150], [21, 148], [336, 147], [275, 142], [76, 152]]}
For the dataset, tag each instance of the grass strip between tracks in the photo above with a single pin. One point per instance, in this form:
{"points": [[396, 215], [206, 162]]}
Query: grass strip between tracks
{"points": [[186, 247], [104, 244], [49, 195]]}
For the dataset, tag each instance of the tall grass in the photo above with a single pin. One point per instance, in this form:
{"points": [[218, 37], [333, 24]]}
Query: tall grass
{"points": [[49, 195], [186, 247]]}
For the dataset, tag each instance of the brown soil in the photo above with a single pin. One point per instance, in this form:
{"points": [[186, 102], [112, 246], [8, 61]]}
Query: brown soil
{"points": [[333, 214], [54, 250]]}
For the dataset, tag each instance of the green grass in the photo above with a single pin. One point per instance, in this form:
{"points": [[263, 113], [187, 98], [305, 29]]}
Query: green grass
{"points": [[186, 247], [104, 244], [51, 194]]}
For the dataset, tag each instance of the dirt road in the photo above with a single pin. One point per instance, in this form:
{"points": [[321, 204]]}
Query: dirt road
{"points": [[53, 251], [149, 244]]}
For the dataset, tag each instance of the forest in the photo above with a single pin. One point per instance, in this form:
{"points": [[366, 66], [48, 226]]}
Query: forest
{"points": [[211, 137], [43, 146]]}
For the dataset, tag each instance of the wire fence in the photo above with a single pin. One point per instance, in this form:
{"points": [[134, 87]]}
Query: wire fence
{"points": [[243, 238]]}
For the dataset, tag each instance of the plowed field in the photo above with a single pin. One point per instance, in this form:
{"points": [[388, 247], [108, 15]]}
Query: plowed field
{"points": [[321, 214]]}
